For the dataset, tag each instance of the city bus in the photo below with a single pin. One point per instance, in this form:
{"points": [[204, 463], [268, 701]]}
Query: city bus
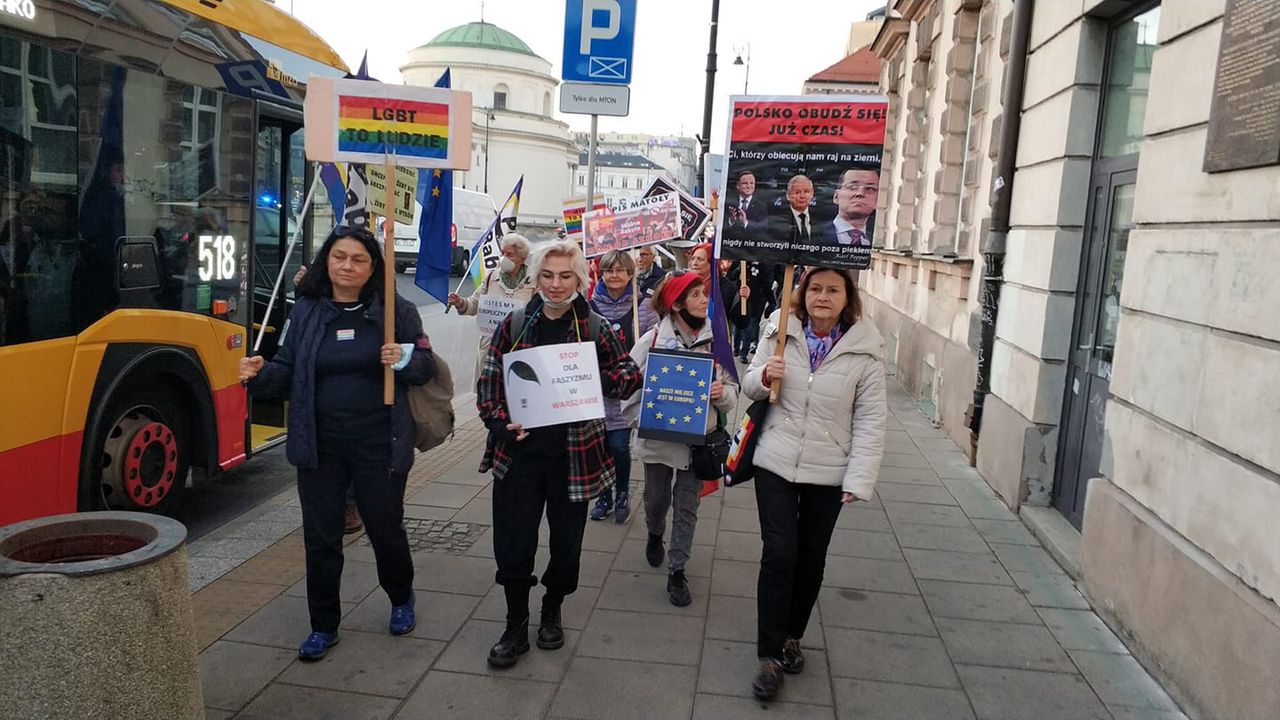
{"points": [[151, 176]]}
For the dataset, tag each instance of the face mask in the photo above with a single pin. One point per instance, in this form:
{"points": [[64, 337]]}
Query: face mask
{"points": [[693, 321], [546, 301], [506, 265]]}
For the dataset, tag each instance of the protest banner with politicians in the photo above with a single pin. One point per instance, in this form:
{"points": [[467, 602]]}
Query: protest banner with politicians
{"points": [[651, 220], [802, 180]]}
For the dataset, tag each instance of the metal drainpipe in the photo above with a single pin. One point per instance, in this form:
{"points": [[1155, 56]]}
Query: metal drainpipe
{"points": [[993, 246]]}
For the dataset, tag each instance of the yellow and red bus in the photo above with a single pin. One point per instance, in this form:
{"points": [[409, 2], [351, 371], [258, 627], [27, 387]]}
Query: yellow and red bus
{"points": [[151, 172]]}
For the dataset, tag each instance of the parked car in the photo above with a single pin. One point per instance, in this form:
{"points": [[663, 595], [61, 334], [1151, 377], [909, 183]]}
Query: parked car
{"points": [[472, 213]]}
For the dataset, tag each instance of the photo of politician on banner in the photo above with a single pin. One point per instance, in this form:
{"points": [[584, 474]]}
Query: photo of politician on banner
{"points": [[802, 180]]}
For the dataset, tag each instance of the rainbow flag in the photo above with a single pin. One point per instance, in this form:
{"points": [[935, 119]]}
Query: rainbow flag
{"points": [[389, 126]]}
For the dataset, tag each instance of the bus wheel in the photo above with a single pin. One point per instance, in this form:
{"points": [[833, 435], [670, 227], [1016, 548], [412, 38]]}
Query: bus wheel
{"points": [[145, 455], [401, 267]]}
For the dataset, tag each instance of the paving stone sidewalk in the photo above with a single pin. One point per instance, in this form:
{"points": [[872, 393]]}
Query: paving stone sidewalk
{"points": [[938, 604]]}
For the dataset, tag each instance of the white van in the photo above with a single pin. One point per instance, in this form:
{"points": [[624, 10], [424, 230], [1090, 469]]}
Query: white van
{"points": [[472, 213]]}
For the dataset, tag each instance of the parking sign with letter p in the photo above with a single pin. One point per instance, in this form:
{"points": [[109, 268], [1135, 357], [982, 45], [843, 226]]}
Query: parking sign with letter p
{"points": [[598, 41]]}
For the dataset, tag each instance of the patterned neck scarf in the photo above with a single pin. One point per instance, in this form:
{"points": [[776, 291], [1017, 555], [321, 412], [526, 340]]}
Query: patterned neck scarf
{"points": [[820, 345]]}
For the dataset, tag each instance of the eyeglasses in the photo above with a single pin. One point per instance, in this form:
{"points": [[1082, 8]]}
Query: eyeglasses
{"points": [[856, 186]]}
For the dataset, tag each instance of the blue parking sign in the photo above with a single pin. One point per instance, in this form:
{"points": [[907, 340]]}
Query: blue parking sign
{"points": [[598, 40]]}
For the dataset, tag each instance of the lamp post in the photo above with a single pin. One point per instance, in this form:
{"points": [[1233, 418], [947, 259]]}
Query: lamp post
{"points": [[704, 139], [739, 61], [488, 115]]}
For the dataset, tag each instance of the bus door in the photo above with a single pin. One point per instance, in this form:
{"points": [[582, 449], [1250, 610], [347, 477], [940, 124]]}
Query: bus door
{"points": [[281, 177]]}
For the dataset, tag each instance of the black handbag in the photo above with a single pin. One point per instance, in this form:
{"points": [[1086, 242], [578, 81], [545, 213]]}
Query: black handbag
{"points": [[740, 464], [707, 460]]}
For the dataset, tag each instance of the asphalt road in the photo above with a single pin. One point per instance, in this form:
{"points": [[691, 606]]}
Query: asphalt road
{"points": [[208, 506]]}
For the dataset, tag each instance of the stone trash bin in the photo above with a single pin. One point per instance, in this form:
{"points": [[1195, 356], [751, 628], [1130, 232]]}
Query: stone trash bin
{"points": [[95, 619]]}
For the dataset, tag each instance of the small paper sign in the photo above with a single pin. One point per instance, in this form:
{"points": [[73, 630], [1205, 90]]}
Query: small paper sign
{"points": [[406, 187], [676, 400], [492, 311], [553, 384]]}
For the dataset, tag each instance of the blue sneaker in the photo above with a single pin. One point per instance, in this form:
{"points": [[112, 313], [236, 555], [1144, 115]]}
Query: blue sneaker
{"points": [[316, 646], [604, 506], [622, 513], [402, 618]]}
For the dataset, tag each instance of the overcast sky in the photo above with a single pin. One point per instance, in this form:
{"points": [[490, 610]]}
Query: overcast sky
{"points": [[790, 40]]}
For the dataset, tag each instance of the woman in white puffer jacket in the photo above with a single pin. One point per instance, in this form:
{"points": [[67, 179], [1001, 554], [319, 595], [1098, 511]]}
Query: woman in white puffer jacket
{"points": [[819, 449]]}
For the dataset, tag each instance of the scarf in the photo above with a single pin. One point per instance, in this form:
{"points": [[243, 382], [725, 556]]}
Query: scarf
{"points": [[820, 345]]}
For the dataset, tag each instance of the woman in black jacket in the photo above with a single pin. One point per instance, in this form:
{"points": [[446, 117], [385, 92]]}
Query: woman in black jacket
{"points": [[341, 434]]}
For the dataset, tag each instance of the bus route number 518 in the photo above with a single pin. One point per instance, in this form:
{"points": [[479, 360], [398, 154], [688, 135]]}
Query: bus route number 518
{"points": [[217, 257]]}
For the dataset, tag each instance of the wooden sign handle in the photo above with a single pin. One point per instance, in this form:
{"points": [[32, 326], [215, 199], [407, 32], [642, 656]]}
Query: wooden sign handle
{"points": [[635, 307], [389, 277], [775, 386], [742, 282]]}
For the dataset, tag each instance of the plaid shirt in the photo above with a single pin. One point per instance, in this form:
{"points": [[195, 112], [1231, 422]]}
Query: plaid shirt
{"points": [[591, 469]]}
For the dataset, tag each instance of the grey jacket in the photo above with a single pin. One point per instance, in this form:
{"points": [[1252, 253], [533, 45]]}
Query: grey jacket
{"points": [[828, 426]]}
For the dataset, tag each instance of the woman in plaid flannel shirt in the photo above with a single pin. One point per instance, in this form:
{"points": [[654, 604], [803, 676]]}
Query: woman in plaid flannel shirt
{"points": [[561, 467]]}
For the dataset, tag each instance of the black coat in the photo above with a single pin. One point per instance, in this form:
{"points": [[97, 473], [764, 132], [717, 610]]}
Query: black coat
{"points": [[292, 374]]}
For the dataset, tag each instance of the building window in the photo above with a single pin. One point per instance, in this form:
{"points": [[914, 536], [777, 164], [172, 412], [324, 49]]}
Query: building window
{"points": [[500, 96], [581, 181], [546, 104], [611, 178]]}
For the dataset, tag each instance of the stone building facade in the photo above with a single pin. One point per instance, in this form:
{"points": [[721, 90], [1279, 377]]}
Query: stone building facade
{"points": [[514, 130], [1112, 339]]}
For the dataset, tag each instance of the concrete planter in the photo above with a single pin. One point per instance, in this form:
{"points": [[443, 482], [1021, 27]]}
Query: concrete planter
{"points": [[95, 619]]}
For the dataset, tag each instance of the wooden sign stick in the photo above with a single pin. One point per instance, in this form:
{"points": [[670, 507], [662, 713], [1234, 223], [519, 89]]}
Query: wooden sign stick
{"points": [[635, 306], [389, 277], [742, 282], [785, 311]]}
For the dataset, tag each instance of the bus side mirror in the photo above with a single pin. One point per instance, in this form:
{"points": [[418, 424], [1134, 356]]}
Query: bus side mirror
{"points": [[138, 264]]}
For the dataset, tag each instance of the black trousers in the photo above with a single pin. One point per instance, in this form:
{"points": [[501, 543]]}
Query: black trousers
{"points": [[379, 495], [796, 522], [533, 482]]}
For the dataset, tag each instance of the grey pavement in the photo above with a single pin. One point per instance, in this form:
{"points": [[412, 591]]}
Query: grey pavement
{"points": [[937, 604]]}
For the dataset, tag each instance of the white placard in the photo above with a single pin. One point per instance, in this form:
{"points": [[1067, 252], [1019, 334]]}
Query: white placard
{"points": [[492, 311], [595, 99], [553, 384]]}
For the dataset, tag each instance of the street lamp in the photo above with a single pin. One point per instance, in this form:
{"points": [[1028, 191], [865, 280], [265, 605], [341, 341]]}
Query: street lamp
{"points": [[746, 49], [488, 115]]}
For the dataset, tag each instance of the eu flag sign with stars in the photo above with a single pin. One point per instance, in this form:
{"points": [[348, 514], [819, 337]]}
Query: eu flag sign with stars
{"points": [[676, 399]]}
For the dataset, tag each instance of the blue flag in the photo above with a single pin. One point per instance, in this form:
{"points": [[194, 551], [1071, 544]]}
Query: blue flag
{"points": [[717, 313], [435, 227]]}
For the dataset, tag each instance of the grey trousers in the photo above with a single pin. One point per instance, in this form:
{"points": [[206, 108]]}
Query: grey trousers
{"points": [[658, 497]]}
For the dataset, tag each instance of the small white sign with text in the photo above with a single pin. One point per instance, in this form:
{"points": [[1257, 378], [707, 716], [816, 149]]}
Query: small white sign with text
{"points": [[553, 384]]}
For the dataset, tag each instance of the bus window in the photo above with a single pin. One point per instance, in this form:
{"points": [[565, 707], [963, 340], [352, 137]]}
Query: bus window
{"points": [[39, 251], [172, 163]]}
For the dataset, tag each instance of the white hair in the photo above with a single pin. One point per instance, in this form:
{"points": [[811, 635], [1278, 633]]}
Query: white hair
{"points": [[519, 242], [562, 248]]}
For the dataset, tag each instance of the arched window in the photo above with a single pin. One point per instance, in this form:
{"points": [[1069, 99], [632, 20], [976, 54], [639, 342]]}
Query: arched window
{"points": [[500, 92], [546, 104]]}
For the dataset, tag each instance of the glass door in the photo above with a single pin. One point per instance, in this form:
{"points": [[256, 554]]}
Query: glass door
{"points": [[1130, 48], [1089, 367], [277, 175]]}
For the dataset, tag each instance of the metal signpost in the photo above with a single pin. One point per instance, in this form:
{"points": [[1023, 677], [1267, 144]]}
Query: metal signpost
{"points": [[599, 36]]}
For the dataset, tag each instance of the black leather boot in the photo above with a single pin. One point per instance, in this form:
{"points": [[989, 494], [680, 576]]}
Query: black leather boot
{"points": [[550, 631], [513, 643]]}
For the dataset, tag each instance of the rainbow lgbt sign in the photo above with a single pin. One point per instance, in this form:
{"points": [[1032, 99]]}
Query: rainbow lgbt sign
{"points": [[362, 121]]}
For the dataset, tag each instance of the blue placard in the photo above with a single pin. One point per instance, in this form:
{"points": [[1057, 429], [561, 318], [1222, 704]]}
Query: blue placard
{"points": [[598, 40], [676, 400]]}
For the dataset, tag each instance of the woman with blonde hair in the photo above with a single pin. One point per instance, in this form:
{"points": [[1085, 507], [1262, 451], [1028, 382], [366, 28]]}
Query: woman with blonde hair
{"points": [[559, 468]]}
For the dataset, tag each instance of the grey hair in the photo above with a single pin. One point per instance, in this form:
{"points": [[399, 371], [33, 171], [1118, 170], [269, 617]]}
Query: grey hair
{"points": [[620, 258], [796, 179], [519, 242], [562, 248]]}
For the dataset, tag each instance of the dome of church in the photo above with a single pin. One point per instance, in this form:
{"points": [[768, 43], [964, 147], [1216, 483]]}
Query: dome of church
{"points": [[481, 35]]}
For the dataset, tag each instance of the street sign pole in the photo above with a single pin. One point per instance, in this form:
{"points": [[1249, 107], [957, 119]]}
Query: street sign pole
{"points": [[591, 171]]}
